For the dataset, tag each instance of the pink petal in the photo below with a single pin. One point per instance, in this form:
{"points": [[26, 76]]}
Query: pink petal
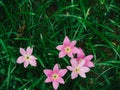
{"points": [[82, 74], [26, 63], [33, 57], [33, 62], [81, 53], [89, 64], [73, 43], [73, 59], [22, 51], [47, 72], [70, 68], [70, 54], [84, 69], [88, 58], [29, 50], [75, 50], [81, 63], [49, 79], [55, 85], [73, 62], [62, 54], [20, 59], [59, 47], [55, 68], [60, 80], [62, 72], [66, 40], [74, 75]]}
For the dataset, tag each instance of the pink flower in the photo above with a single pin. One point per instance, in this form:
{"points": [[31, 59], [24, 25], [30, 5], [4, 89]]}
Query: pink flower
{"points": [[81, 56], [68, 48], [55, 76], [78, 69], [27, 57]]}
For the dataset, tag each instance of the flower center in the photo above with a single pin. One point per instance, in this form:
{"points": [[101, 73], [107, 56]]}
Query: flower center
{"points": [[80, 60], [67, 49], [77, 70], [27, 57], [55, 76]]}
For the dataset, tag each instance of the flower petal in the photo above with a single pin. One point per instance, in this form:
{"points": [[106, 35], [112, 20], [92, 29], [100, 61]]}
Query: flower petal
{"points": [[81, 53], [49, 79], [59, 47], [73, 59], [60, 80], [29, 50], [82, 74], [22, 51], [88, 58], [75, 50], [70, 54], [33, 57], [20, 59], [33, 62], [47, 72], [74, 75], [66, 40], [55, 85], [73, 43], [55, 68], [62, 54], [81, 63], [62, 72], [89, 64], [70, 68], [73, 62], [84, 69], [26, 63]]}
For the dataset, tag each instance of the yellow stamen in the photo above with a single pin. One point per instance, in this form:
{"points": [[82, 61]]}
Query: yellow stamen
{"points": [[27, 57], [67, 49], [77, 70], [55, 76]]}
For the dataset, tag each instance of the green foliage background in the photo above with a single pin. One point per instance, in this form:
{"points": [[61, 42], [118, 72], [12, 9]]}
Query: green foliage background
{"points": [[43, 24]]}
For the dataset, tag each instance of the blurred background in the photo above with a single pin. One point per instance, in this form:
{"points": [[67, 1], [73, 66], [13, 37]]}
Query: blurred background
{"points": [[43, 24]]}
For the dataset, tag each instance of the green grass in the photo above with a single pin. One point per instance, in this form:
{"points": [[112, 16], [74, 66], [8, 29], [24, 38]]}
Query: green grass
{"points": [[43, 24]]}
